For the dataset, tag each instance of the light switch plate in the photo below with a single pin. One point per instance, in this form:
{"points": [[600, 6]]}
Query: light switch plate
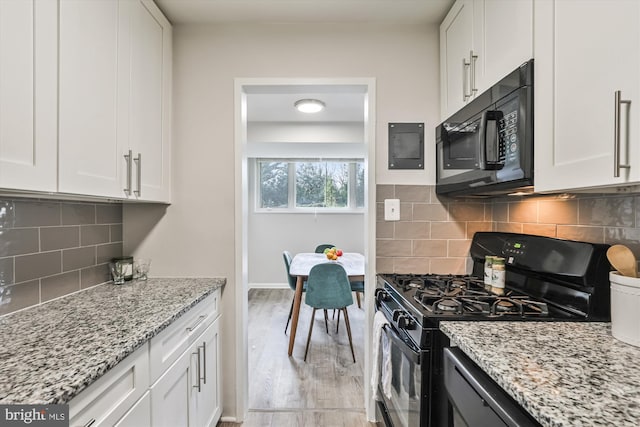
{"points": [[392, 209]]}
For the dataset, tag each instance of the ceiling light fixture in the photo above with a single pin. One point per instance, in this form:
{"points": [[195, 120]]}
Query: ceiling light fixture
{"points": [[309, 105]]}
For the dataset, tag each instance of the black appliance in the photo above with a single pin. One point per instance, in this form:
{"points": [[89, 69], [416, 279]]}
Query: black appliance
{"points": [[547, 279], [486, 148]]}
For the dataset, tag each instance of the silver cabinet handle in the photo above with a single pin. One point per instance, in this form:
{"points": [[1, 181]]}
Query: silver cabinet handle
{"points": [[616, 135], [127, 157], [195, 325], [465, 65], [204, 362], [90, 422], [472, 64], [198, 386], [138, 161]]}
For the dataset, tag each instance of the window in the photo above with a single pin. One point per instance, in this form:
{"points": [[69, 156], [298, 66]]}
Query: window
{"points": [[310, 185]]}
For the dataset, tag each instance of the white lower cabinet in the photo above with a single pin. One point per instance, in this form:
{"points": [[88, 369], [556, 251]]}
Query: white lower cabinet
{"points": [[188, 394], [139, 415], [105, 402], [173, 380]]}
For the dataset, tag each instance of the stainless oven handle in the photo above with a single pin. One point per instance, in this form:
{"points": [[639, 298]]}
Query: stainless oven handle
{"points": [[412, 354], [616, 135]]}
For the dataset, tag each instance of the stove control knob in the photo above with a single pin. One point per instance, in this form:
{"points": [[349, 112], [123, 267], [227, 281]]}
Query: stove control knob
{"points": [[405, 322], [397, 314], [381, 295]]}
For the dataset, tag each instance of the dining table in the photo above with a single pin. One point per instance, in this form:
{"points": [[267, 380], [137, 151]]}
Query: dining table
{"points": [[300, 267]]}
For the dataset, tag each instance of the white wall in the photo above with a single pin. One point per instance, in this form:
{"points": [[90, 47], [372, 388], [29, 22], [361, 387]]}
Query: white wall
{"points": [[195, 235], [336, 132]]}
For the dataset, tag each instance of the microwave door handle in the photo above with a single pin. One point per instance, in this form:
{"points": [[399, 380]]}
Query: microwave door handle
{"points": [[487, 116]]}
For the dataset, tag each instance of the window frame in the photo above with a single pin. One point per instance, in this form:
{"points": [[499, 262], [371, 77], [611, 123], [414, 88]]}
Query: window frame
{"points": [[351, 207]]}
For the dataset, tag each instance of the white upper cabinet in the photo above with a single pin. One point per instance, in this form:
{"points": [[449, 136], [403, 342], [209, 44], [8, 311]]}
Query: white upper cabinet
{"points": [[149, 131], [28, 85], [585, 52], [114, 108], [503, 38], [90, 153], [481, 41], [456, 46]]}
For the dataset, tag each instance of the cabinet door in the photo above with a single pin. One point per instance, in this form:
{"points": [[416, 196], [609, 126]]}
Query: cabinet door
{"points": [[90, 155], [456, 37], [503, 38], [207, 402], [139, 415], [28, 101], [171, 401], [149, 105], [585, 51]]}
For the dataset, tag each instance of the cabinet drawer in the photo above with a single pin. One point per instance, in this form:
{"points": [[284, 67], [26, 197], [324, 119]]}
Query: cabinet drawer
{"points": [[169, 344], [112, 395]]}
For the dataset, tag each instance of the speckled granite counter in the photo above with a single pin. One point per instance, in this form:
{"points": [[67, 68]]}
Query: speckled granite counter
{"points": [[52, 352], [564, 374]]}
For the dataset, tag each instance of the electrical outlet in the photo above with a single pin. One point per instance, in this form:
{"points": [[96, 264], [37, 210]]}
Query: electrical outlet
{"points": [[392, 209]]}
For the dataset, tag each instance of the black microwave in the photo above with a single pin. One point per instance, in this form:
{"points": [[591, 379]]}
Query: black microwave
{"points": [[486, 148]]}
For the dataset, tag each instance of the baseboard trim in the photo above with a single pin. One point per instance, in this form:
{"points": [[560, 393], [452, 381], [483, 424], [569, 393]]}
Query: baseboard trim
{"points": [[228, 420], [269, 286]]}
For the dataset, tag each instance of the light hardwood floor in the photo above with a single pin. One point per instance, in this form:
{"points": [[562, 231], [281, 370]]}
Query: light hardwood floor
{"points": [[326, 390]]}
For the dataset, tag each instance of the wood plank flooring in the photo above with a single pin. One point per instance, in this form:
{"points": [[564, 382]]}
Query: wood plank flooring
{"points": [[326, 390]]}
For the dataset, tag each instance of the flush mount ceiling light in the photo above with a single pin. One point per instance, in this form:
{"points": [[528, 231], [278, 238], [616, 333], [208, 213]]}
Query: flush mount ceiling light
{"points": [[309, 105]]}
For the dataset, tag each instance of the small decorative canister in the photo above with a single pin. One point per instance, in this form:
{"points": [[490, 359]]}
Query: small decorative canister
{"points": [[128, 266]]}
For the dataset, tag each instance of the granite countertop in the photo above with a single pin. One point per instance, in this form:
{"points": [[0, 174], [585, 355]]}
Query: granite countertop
{"points": [[564, 374], [53, 351]]}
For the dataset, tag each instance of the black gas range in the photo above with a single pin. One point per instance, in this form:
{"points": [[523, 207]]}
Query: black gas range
{"points": [[547, 280]]}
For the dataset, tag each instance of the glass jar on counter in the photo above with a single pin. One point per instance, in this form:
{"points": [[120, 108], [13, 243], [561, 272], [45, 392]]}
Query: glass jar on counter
{"points": [[498, 273], [488, 271]]}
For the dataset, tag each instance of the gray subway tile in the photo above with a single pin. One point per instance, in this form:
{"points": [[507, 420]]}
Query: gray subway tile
{"points": [[78, 213], [109, 214], [74, 259], [52, 238], [6, 271], [36, 214], [94, 234], [95, 275], [19, 241], [19, 296], [28, 267], [109, 251], [59, 285], [116, 232]]}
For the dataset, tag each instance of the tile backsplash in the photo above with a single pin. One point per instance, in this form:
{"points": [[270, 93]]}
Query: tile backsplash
{"points": [[52, 248], [434, 233]]}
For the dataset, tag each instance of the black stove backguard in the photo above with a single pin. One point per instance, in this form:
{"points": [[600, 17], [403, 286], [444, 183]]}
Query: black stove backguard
{"points": [[574, 275]]}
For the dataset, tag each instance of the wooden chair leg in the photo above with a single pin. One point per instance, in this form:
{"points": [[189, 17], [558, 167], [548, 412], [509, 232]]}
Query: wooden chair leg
{"points": [[306, 350], [346, 322], [326, 321], [358, 299], [289, 318], [338, 322]]}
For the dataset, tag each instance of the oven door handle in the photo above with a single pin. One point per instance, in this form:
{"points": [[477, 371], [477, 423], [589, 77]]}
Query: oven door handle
{"points": [[403, 346]]}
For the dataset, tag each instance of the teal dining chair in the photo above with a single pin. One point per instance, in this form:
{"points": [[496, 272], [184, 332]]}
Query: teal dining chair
{"points": [[292, 284], [356, 287], [320, 248], [328, 288]]}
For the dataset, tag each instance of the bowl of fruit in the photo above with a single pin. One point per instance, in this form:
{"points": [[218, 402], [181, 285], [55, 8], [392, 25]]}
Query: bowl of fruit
{"points": [[333, 253]]}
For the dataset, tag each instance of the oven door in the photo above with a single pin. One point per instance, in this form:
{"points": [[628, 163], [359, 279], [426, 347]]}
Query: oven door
{"points": [[401, 391], [475, 399]]}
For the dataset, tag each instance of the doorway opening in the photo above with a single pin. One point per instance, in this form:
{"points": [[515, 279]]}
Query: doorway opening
{"points": [[277, 148]]}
